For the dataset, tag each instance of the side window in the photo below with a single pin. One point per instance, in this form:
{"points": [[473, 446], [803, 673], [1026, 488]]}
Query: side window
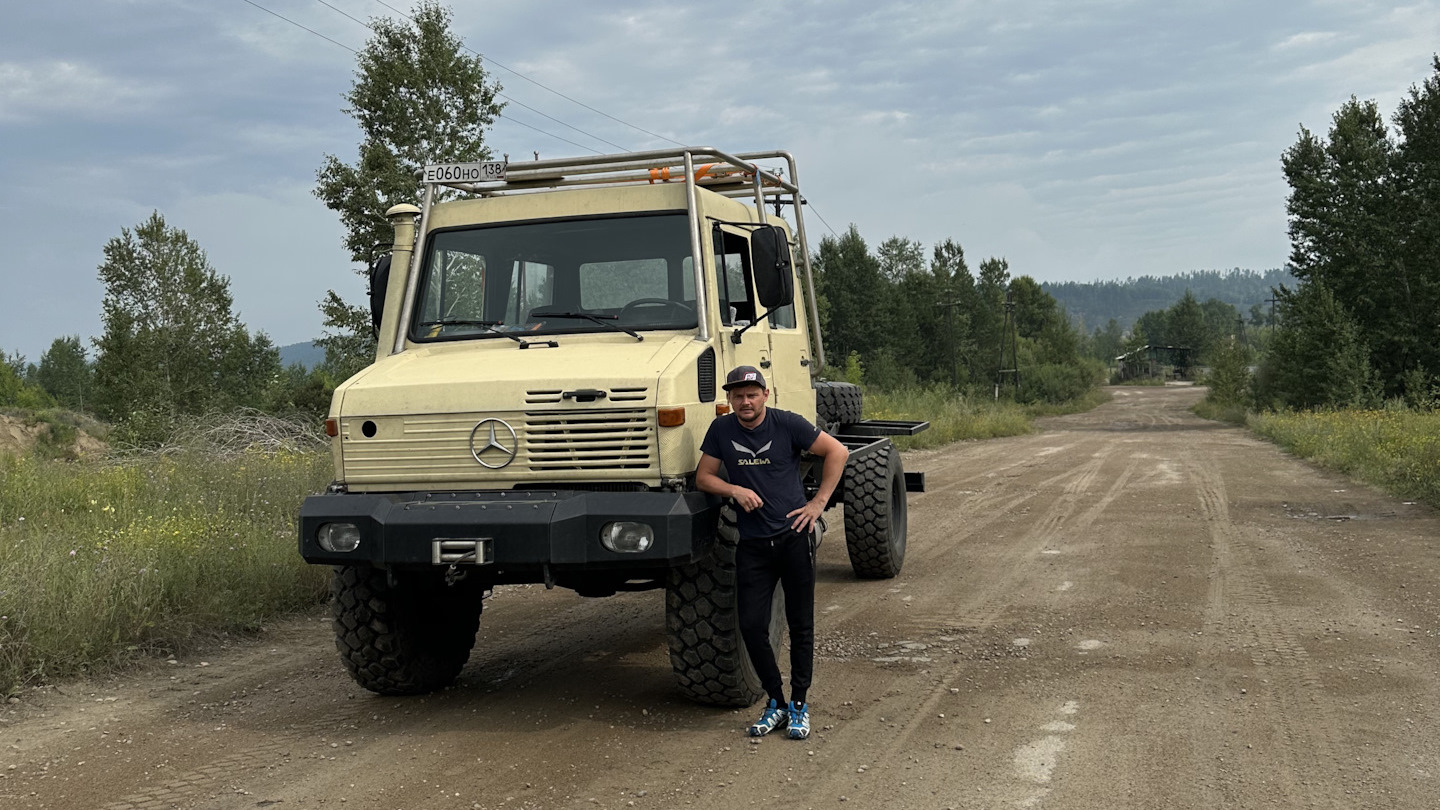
{"points": [[732, 271]]}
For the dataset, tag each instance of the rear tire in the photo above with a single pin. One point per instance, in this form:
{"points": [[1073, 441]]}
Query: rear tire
{"points": [[702, 626], [876, 514], [408, 638], [837, 403]]}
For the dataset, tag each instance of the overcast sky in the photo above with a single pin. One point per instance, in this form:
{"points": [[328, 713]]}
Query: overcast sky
{"points": [[1080, 139]]}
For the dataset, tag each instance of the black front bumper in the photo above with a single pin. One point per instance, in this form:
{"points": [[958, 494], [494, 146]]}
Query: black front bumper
{"points": [[533, 534]]}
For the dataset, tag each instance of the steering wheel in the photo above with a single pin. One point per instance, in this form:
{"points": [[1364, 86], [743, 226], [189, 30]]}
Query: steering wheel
{"points": [[642, 303]]}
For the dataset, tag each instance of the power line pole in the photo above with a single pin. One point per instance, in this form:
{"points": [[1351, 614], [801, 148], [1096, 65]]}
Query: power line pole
{"points": [[949, 307], [1008, 331]]}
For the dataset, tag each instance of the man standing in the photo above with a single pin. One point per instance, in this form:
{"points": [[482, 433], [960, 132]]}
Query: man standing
{"points": [[760, 448]]}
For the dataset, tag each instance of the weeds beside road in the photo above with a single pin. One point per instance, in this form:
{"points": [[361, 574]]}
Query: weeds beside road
{"points": [[101, 561], [1395, 449]]}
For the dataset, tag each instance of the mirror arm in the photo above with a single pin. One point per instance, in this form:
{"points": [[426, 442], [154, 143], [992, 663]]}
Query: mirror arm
{"points": [[735, 336]]}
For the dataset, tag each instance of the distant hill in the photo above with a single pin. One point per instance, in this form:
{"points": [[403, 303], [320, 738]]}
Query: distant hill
{"points": [[307, 354], [1095, 303]]}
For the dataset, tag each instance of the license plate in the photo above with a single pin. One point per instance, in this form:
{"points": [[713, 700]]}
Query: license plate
{"points": [[464, 172]]}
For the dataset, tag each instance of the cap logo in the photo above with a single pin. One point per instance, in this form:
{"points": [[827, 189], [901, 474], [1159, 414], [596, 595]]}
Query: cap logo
{"points": [[749, 375]]}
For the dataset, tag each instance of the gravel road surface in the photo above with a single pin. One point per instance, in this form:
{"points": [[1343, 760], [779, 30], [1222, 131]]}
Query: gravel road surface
{"points": [[1132, 608]]}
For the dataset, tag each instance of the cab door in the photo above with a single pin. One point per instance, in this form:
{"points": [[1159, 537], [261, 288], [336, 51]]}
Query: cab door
{"points": [[735, 294], [789, 373]]}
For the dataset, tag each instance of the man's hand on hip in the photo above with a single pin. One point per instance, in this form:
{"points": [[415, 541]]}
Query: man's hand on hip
{"points": [[806, 515]]}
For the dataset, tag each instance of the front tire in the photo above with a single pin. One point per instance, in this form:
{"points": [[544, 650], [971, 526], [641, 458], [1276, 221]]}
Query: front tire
{"points": [[876, 514], [408, 637], [702, 626]]}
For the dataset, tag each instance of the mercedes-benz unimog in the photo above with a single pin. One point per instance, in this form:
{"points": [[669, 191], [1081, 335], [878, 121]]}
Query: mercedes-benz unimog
{"points": [[550, 334]]}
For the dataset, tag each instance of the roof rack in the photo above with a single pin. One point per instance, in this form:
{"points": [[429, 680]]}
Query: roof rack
{"points": [[736, 176]]}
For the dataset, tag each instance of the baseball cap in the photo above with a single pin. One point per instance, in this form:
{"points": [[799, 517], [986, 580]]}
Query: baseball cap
{"points": [[744, 375]]}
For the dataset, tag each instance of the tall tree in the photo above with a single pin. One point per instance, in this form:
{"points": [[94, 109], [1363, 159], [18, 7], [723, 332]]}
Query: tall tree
{"points": [[65, 373], [900, 257], [1417, 181], [1344, 228], [418, 98], [1318, 356], [849, 278], [172, 345]]}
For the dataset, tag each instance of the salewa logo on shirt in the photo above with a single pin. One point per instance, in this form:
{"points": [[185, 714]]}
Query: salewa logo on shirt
{"points": [[754, 459]]}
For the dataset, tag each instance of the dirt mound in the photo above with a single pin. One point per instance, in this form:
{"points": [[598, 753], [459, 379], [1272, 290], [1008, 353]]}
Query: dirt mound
{"points": [[18, 436]]}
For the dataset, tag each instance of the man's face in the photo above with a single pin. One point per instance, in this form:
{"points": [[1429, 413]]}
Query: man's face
{"points": [[748, 402]]}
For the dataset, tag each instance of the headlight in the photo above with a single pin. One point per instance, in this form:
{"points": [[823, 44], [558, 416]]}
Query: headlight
{"points": [[627, 537], [339, 537]]}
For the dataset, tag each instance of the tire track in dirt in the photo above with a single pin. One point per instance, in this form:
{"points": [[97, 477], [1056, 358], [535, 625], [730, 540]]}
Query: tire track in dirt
{"points": [[504, 659], [1292, 701]]}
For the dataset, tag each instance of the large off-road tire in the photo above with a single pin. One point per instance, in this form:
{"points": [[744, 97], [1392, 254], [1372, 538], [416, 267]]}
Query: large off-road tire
{"points": [[876, 513], [702, 627], [406, 638], [837, 403]]}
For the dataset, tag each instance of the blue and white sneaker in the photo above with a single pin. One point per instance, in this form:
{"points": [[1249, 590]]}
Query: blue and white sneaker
{"points": [[799, 720], [774, 717]]}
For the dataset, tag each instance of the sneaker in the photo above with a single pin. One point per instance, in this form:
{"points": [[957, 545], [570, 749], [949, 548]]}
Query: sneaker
{"points": [[774, 717], [799, 720]]}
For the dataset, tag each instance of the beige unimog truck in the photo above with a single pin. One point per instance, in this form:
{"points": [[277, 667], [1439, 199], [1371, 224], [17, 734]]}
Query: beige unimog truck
{"points": [[550, 338]]}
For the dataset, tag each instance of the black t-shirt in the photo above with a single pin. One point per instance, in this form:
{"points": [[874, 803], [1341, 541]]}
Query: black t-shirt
{"points": [[766, 460]]}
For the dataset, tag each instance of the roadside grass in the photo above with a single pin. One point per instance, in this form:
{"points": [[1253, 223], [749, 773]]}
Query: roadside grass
{"points": [[1092, 399], [1208, 408], [955, 417], [105, 560], [1395, 449]]}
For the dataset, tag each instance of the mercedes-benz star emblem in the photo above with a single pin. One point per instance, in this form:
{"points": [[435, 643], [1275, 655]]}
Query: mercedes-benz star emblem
{"points": [[499, 445]]}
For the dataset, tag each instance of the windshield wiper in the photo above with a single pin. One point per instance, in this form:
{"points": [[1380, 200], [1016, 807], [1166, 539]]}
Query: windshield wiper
{"points": [[602, 320], [489, 326]]}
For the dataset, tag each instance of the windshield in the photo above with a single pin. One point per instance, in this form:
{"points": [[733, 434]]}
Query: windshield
{"points": [[587, 275]]}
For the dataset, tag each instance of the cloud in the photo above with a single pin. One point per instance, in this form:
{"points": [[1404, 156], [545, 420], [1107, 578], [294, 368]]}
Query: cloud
{"points": [[31, 92]]}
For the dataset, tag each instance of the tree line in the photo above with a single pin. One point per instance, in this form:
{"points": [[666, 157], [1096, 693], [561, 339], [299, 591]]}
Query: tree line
{"points": [[891, 319], [1095, 302]]}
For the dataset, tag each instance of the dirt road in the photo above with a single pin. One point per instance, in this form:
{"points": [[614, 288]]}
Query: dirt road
{"points": [[1134, 608]]}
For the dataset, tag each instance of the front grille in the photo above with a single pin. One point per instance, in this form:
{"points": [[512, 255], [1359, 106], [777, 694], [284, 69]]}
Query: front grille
{"points": [[590, 440], [562, 445]]}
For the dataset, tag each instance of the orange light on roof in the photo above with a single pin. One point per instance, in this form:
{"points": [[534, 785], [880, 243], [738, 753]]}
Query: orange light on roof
{"points": [[332, 427], [672, 417], [721, 409]]}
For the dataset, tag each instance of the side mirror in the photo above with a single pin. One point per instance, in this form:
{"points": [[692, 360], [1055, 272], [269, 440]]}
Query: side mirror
{"points": [[379, 281], [770, 260]]}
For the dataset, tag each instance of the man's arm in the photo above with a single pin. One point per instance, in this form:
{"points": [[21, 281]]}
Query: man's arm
{"points": [[833, 455], [707, 478]]}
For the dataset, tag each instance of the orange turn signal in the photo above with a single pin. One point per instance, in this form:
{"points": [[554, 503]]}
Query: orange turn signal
{"points": [[721, 409], [332, 427], [672, 417]]}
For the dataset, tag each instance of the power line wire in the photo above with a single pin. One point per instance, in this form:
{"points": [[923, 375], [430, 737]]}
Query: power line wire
{"points": [[510, 99], [298, 25], [545, 87], [816, 212], [511, 119]]}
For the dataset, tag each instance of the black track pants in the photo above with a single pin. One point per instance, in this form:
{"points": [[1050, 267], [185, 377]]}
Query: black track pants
{"points": [[759, 564]]}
